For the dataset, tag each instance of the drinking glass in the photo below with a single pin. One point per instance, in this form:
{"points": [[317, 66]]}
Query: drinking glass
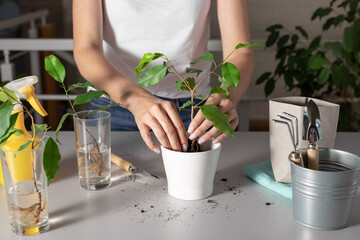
{"points": [[93, 143], [26, 186]]}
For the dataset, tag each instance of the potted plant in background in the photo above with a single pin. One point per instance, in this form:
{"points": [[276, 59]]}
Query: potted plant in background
{"points": [[92, 131], [190, 175], [29, 162], [321, 70]]}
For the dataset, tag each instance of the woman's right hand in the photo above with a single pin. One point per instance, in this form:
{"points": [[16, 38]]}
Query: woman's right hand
{"points": [[160, 116]]}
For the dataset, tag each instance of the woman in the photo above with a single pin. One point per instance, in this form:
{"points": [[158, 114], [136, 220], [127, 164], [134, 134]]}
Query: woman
{"points": [[111, 36]]}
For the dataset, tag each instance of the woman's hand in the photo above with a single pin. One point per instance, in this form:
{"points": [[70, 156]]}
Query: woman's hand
{"points": [[152, 113], [199, 124]]}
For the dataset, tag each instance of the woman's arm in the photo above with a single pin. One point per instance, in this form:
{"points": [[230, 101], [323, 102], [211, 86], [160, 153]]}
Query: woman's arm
{"points": [[150, 112], [234, 29]]}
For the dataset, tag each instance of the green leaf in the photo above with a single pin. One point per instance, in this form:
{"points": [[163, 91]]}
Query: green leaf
{"points": [[60, 126], [146, 59], [51, 159], [193, 70], [190, 81], [272, 39], [336, 48], [218, 118], [18, 132], [81, 85], [86, 97], [323, 76], [7, 95], [269, 87], [321, 12], [339, 19], [217, 90], [55, 68], [11, 130], [24, 146], [291, 62], [283, 40], [225, 86], [316, 62], [39, 128], [263, 78], [249, 44], [294, 39], [5, 137], [274, 27], [302, 31], [336, 74], [298, 76], [188, 103], [349, 39], [328, 23], [315, 43], [230, 74], [153, 76], [289, 80], [280, 67], [5, 113], [179, 84], [354, 5], [205, 57]]}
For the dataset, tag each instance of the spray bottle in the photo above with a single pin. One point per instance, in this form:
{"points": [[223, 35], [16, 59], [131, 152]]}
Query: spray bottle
{"points": [[23, 88]]}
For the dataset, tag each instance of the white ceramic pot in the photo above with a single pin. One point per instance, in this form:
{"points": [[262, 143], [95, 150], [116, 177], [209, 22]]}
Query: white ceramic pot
{"points": [[191, 176]]}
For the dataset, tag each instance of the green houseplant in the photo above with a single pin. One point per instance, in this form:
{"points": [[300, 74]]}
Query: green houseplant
{"points": [[195, 182], [230, 77], [325, 70], [92, 141]]}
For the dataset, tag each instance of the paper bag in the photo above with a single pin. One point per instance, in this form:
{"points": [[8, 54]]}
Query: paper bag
{"points": [[280, 140]]}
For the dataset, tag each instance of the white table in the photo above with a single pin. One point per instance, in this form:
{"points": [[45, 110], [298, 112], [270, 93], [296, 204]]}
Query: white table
{"points": [[141, 208]]}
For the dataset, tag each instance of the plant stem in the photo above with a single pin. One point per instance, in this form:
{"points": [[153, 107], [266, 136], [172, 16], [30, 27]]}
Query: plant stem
{"points": [[87, 130]]}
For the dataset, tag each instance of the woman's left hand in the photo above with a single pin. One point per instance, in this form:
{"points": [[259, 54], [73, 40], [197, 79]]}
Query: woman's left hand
{"points": [[200, 124]]}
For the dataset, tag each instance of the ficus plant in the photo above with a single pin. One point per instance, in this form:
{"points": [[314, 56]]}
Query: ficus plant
{"points": [[57, 71], [321, 69], [230, 76]]}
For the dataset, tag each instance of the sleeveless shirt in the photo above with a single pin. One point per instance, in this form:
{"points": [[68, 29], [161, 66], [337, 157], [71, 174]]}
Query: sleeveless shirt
{"points": [[177, 28]]}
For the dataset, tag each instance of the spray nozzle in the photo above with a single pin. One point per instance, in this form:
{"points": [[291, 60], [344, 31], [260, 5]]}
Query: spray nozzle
{"points": [[23, 88]]}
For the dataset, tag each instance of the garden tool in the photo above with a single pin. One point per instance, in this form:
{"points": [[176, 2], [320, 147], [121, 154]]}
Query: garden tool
{"points": [[312, 132], [129, 167], [21, 165], [295, 155]]}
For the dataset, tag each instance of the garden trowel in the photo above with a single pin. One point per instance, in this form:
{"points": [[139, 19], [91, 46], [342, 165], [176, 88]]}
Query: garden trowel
{"points": [[312, 132], [129, 167]]}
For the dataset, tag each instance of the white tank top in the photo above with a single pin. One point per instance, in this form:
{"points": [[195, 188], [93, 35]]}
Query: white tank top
{"points": [[177, 28]]}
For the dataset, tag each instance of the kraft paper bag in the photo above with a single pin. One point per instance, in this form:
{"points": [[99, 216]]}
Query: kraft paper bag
{"points": [[280, 140]]}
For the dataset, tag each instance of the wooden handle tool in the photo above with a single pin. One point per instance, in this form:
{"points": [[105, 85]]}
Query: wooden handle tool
{"points": [[313, 157], [122, 163], [297, 158]]}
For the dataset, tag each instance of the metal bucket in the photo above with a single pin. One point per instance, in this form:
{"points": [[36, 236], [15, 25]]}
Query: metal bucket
{"points": [[323, 199]]}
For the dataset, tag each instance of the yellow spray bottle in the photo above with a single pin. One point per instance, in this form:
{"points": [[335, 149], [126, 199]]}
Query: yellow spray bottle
{"points": [[21, 169]]}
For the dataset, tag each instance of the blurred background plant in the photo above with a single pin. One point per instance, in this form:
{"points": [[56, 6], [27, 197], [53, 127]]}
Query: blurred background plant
{"points": [[327, 70]]}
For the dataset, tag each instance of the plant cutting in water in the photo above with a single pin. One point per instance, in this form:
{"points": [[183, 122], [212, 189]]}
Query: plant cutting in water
{"points": [[230, 76], [12, 111], [57, 71]]}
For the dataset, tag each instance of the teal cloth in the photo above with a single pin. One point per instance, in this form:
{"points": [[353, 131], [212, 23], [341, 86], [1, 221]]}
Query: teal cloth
{"points": [[262, 173]]}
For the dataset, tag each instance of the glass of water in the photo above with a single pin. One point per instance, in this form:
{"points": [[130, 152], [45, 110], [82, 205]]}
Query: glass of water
{"points": [[26, 186], [93, 143]]}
